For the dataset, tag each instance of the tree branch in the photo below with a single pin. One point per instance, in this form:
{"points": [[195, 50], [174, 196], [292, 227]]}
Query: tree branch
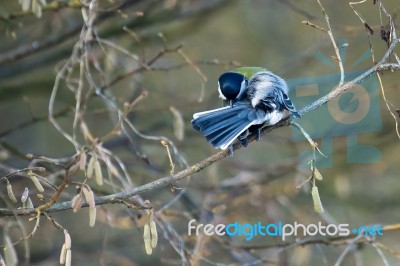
{"points": [[383, 65]]}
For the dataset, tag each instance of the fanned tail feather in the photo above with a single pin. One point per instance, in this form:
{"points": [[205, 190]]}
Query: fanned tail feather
{"points": [[222, 126]]}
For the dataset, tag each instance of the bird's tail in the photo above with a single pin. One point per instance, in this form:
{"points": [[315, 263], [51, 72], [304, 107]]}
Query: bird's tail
{"points": [[222, 126]]}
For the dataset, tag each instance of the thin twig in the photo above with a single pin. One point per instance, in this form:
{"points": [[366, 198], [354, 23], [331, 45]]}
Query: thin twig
{"points": [[337, 52]]}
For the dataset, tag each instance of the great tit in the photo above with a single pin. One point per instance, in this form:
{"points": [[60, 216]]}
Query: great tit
{"points": [[262, 101]]}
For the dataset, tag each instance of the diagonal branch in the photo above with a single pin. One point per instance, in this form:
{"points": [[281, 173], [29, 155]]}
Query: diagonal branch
{"points": [[382, 65], [168, 180]]}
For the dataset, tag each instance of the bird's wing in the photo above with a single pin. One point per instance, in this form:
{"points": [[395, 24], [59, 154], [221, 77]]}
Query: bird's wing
{"points": [[289, 105]]}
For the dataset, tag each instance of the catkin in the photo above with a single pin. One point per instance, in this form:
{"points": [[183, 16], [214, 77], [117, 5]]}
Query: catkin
{"points": [[98, 174], [67, 240], [76, 202], [29, 203], [153, 233], [92, 216], [68, 258], [36, 182], [147, 239], [317, 174], [10, 193], [316, 199], [25, 194], [89, 196], [82, 161], [62, 254], [90, 168]]}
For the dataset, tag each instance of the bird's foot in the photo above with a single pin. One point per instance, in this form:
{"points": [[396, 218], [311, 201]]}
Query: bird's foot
{"points": [[243, 141], [243, 138]]}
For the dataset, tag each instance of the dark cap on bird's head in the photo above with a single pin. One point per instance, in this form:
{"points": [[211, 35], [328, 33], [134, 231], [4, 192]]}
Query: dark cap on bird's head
{"points": [[231, 85]]}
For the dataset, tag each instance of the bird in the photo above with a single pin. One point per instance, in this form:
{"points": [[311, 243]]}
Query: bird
{"points": [[257, 98]]}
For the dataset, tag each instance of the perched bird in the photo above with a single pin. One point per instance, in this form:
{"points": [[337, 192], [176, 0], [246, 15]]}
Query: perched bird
{"points": [[263, 101]]}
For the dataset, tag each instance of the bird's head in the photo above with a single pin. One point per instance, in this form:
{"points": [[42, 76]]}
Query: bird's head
{"points": [[231, 85]]}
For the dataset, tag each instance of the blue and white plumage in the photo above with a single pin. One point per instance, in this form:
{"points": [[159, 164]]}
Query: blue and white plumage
{"points": [[263, 101]]}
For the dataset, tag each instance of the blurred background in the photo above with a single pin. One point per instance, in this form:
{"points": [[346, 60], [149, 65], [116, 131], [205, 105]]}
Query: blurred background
{"points": [[360, 174]]}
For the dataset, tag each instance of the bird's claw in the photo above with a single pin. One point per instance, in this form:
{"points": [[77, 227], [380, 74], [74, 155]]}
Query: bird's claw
{"points": [[243, 138], [243, 141]]}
